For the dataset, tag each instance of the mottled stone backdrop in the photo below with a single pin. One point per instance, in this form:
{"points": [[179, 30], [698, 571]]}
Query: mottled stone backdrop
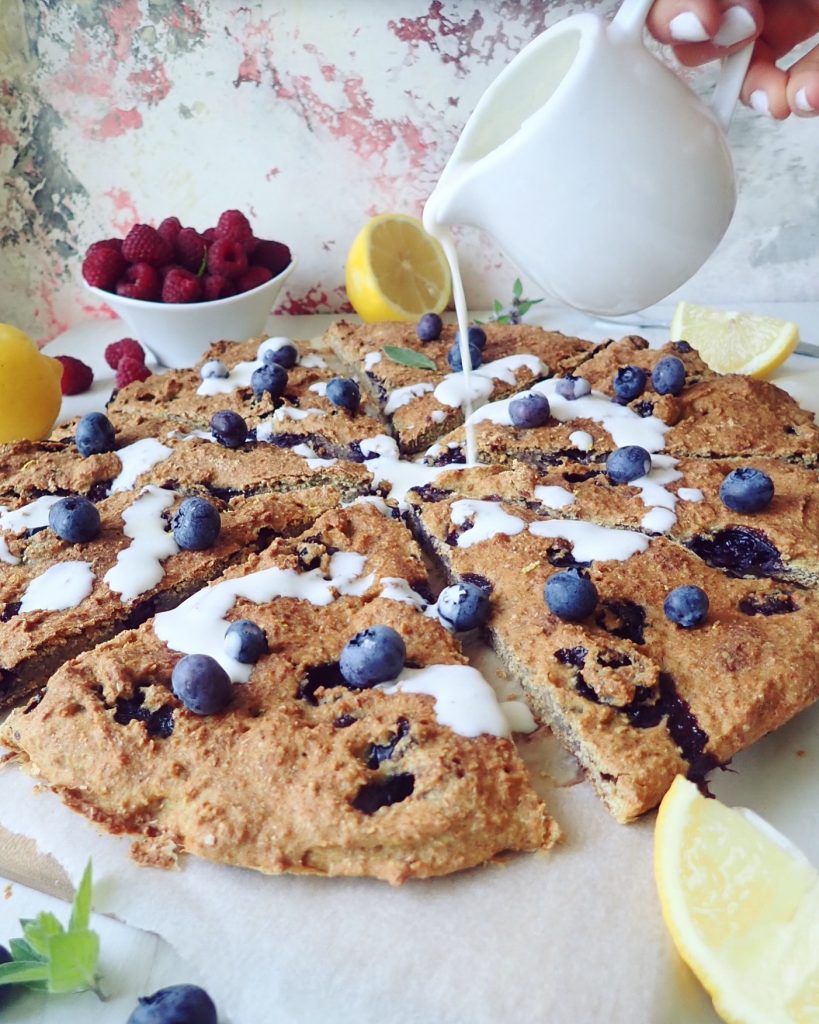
{"points": [[310, 116]]}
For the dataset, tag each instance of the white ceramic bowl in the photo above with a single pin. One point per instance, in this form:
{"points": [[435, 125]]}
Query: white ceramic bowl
{"points": [[178, 333]]}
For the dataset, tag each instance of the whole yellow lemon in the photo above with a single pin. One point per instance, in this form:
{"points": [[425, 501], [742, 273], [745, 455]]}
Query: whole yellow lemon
{"points": [[30, 393]]}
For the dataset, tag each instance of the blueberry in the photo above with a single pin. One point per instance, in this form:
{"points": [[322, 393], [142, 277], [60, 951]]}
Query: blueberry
{"points": [[269, 377], [344, 392], [228, 428], [463, 606], [572, 388], [286, 355], [627, 464], [245, 641], [530, 410], [570, 596], [453, 357], [75, 520], [95, 434], [474, 335], [429, 327], [746, 490], [687, 606], [201, 683], [178, 1004], [214, 368], [374, 655], [668, 376], [196, 524], [629, 382]]}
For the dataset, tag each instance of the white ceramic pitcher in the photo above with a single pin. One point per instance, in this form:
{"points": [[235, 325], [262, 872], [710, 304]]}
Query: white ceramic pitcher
{"points": [[595, 168]]}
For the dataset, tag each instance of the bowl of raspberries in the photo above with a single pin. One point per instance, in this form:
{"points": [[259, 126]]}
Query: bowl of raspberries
{"points": [[178, 289]]}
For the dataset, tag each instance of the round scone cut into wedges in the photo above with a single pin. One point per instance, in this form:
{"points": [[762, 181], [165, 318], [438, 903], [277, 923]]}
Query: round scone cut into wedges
{"points": [[303, 770]]}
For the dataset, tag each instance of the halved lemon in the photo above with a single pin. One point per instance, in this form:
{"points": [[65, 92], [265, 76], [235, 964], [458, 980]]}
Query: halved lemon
{"points": [[742, 905], [731, 342], [396, 271]]}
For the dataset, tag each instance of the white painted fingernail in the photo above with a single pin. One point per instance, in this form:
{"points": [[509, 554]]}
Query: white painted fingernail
{"points": [[759, 101], [687, 28], [802, 101], [736, 24]]}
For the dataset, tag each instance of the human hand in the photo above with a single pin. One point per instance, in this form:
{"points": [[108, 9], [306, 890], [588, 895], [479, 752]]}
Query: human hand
{"points": [[703, 30]]}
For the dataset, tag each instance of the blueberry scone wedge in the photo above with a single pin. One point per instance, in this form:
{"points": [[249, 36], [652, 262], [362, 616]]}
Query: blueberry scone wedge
{"points": [[302, 713]]}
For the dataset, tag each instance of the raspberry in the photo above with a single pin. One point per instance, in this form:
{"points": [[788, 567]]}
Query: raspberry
{"points": [[169, 229], [140, 281], [118, 350], [77, 376], [209, 234], [144, 244], [252, 278], [130, 370], [181, 286], [190, 249], [234, 225], [103, 265], [273, 255], [226, 256], [217, 286]]}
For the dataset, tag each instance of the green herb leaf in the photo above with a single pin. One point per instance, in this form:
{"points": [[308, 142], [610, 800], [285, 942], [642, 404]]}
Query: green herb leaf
{"points": [[409, 357], [517, 288], [21, 950], [38, 932], [81, 907], [73, 960], [497, 306], [19, 972]]}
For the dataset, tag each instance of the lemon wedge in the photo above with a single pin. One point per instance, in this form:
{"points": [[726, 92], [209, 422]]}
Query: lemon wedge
{"points": [[735, 342], [742, 906], [30, 394], [396, 271]]}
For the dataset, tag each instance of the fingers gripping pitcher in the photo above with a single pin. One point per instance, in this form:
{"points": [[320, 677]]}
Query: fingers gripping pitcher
{"points": [[598, 171]]}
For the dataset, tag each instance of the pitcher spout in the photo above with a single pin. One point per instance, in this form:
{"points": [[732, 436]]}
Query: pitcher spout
{"points": [[454, 200]]}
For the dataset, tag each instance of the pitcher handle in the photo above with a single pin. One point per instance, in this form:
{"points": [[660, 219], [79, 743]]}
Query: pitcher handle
{"points": [[628, 24]]}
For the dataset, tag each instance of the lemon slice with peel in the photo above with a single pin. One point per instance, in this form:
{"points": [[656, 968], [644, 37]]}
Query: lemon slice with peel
{"points": [[742, 905], [731, 342], [396, 271]]}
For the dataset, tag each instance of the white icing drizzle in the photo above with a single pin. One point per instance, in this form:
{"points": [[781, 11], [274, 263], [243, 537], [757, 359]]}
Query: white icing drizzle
{"points": [[198, 625], [554, 496], [320, 388], [371, 359], [403, 396], [487, 519], [61, 586], [437, 415], [396, 589], [312, 361], [138, 458], [139, 566], [32, 516], [370, 499], [239, 377], [312, 459], [204, 435], [619, 421], [690, 494], [456, 390], [380, 445], [582, 440], [518, 715], [590, 542], [403, 476], [464, 700], [290, 412], [658, 520], [5, 555]]}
